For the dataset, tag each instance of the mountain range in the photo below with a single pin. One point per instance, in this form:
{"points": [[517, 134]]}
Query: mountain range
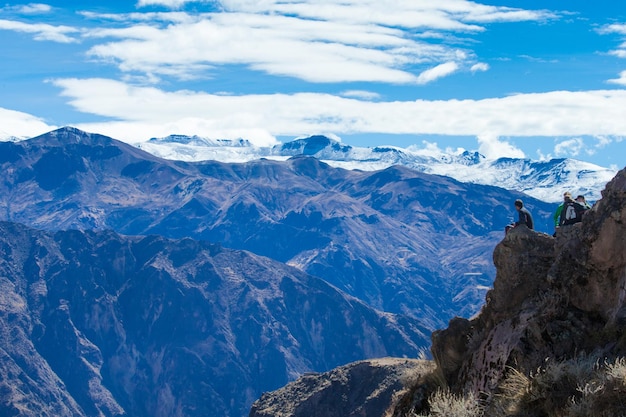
{"points": [[549, 341], [545, 180], [229, 278], [99, 324], [398, 239]]}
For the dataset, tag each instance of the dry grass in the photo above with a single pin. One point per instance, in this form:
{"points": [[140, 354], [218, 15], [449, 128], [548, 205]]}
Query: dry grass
{"points": [[443, 403], [603, 395], [585, 386], [580, 387]]}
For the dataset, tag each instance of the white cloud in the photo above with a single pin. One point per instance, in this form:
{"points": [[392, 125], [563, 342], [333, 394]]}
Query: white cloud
{"points": [[480, 66], [27, 9], [21, 125], [621, 80], [558, 113], [33, 8], [492, 147], [41, 31], [569, 148], [541, 156], [618, 28], [603, 141], [620, 53], [172, 4], [322, 41], [443, 14], [432, 150], [360, 94], [312, 50], [441, 70]]}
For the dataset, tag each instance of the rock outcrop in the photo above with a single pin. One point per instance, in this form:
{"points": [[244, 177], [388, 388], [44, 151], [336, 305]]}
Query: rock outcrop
{"points": [[365, 388], [553, 299]]}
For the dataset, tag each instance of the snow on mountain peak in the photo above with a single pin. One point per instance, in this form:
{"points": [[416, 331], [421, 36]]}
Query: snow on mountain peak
{"points": [[545, 180]]}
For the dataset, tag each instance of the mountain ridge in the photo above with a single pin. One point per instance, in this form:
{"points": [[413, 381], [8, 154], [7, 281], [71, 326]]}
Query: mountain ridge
{"points": [[97, 323], [545, 179]]}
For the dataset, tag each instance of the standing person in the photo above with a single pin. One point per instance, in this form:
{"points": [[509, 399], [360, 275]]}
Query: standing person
{"points": [[567, 196], [525, 217], [581, 200]]}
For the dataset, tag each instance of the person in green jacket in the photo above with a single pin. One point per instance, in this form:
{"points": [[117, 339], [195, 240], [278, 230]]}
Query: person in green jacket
{"points": [[567, 196]]}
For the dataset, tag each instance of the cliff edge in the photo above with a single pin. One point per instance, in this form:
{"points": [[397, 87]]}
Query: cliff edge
{"points": [[554, 300]]}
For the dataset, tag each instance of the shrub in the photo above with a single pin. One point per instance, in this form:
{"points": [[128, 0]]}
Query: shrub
{"points": [[585, 386], [604, 394], [443, 403], [578, 387]]}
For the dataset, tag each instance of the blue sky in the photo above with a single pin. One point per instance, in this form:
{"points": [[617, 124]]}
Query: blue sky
{"points": [[535, 79]]}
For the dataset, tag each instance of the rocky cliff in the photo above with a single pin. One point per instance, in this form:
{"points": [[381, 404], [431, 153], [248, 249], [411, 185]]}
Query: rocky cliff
{"points": [[554, 301], [552, 298], [555, 317]]}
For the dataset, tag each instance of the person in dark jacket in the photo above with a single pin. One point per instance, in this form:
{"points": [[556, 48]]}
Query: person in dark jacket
{"points": [[524, 215], [581, 200]]}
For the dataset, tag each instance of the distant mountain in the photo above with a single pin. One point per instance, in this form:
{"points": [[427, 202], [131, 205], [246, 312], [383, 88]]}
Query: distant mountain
{"points": [[98, 324], [400, 240], [544, 180]]}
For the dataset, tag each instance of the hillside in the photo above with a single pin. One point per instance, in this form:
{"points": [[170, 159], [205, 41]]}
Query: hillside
{"points": [[99, 324], [232, 278]]}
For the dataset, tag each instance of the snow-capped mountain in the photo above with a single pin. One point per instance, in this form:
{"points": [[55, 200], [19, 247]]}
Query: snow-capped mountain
{"points": [[544, 180]]}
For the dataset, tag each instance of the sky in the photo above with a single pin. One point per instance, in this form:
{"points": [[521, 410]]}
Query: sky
{"points": [[531, 79]]}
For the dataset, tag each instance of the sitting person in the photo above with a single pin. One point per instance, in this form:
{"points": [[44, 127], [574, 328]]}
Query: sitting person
{"points": [[572, 212], [581, 200], [524, 217]]}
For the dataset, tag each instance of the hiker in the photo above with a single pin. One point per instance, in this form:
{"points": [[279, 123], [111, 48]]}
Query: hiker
{"points": [[525, 217], [572, 211], [581, 200], [567, 196]]}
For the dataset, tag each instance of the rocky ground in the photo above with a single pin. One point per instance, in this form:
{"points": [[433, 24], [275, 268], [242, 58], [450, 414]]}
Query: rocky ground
{"points": [[365, 388]]}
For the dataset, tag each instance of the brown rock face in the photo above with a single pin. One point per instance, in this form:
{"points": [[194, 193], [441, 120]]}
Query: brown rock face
{"points": [[552, 298]]}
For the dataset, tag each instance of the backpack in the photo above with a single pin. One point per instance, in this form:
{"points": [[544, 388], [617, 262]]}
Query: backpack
{"points": [[572, 213]]}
